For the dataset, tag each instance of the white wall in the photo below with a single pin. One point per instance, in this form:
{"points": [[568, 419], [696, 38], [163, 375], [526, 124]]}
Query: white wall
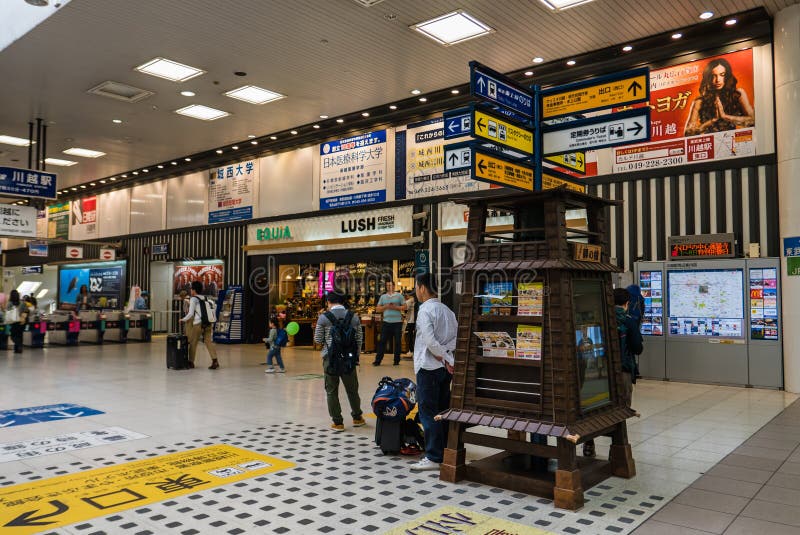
{"points": [[148, 203], [112, 213], [187, 200], [286, 183]]}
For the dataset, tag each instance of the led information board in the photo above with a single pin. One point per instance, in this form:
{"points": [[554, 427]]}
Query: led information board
{"points": [[702, 246]]}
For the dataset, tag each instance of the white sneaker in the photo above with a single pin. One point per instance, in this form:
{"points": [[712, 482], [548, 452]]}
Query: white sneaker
{"points": [[280, 370], [424, 464], [270, 370]]}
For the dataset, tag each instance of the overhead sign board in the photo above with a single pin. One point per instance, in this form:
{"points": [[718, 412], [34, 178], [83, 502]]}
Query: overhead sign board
{"points": [[36, 248], [551, 182], [27, 183], [489, 168], [32, 270], [456, 123], [791, 246], [17, 221], [574, 161], [492, 86], [492, 128], [622, 128], [160, 248], [619, 89], [457, 156], [703, 246]]}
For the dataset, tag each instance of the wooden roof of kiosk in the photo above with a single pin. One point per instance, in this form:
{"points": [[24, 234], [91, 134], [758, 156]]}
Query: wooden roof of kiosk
{"points": [[574, 390]]}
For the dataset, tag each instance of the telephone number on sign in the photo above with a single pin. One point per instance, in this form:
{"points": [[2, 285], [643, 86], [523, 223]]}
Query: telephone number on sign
{"points": [[650, 164]]}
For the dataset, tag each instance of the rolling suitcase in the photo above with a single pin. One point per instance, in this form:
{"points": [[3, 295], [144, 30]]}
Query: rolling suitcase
{"points": [[389, 436], [177, 351]]}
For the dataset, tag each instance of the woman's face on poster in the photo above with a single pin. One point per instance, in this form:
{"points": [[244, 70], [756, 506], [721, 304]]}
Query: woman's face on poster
{"points": [[718, 75]]}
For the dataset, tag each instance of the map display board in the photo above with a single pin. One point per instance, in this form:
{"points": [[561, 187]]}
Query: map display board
{"points": [[764, 304], [706, 302], [652, 287]]}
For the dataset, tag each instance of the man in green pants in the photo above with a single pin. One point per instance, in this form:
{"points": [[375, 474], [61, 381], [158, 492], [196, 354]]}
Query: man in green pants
{"points": [[323, 336]]}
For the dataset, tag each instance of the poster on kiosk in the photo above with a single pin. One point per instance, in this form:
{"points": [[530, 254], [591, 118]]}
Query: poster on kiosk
{"points": [[711, 317]]}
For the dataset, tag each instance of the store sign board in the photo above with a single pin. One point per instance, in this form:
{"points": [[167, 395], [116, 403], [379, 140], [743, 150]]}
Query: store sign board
{"points": [[621, 128], [274, 233], [619, 89], [494, 170], [17, 221], [16, 182], [501, 131], [491, 86]]}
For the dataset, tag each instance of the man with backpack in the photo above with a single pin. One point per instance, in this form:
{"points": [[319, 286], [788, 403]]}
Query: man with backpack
{"points": [[338, 331], [202, 315]]}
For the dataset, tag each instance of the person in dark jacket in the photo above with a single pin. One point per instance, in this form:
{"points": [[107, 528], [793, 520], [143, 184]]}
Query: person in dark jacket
{"points": [[636, 311], [630, 341]]}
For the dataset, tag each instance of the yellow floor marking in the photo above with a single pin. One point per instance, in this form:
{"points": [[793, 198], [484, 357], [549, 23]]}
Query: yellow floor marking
{"points": [[63, 500], [456, 520]]}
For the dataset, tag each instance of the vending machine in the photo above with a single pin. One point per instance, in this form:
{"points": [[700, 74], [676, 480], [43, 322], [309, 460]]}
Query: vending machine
{"points": [[712, 320]]}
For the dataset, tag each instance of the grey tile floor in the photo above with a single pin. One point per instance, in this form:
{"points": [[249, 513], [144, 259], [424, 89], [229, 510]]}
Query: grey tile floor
{"points": [[341, 482]]}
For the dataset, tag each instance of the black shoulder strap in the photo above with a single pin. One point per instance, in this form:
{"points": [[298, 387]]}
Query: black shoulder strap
{"points": [[328, 314], [348, 318]]}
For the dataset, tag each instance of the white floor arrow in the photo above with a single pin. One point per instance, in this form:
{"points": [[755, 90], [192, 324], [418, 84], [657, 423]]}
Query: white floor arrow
{"points": [[62, 414], [7, 423]]}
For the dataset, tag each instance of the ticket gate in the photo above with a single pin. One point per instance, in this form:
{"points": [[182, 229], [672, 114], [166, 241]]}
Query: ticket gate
{"points": [[35, 332], [117, 325], [140, 325], [5, 334], [63, 328], [92, 326]]}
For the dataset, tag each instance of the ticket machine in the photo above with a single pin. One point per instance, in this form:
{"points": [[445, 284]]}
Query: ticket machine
{"points": [[35, 332], [63, 328], [92, 326], [140, 325], [117, 324]]}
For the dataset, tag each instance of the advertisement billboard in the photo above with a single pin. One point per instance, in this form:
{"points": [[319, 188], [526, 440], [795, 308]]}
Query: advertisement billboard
{"points": [[208, 272], [104, 282]]}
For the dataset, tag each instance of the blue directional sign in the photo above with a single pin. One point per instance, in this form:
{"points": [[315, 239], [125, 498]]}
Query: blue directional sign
{"points": [[458, 156], [791, 246], [44, 413], [494, 87], [456, 123], [27, 183]]}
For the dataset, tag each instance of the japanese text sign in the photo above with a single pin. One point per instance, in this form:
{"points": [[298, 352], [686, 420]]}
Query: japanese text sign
{"points": [[231, 192], [500, 131], [17, 221], [494, 170], [497, 88], [791, 246], [27, 183], [618, 89], [353, 171], [605, 131]]}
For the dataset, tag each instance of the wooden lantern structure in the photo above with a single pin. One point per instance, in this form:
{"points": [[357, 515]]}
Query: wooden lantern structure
{"points": [[573, 392]]}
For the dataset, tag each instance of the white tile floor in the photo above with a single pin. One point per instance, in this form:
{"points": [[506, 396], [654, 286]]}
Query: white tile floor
{"points": [[684, 430]]}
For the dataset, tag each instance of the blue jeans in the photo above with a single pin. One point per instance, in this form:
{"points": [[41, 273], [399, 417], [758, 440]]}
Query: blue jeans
{"points": [[275, 351], [433, 396]]}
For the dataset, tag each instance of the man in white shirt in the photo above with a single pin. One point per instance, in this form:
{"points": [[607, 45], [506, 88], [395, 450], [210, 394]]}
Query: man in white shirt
{"points": [[199, 332], [433, 363]]}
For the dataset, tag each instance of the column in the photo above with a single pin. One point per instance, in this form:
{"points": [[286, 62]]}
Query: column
{"points": [[787, 110]]}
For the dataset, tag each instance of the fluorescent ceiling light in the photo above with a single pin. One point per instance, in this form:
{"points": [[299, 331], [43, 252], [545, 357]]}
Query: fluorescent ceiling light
{"points": [[85, 153], [62, 163], [204, 113], [254, 94], [455, 27], [16, 141], [171, 70], [558, 5], [116, 121]]}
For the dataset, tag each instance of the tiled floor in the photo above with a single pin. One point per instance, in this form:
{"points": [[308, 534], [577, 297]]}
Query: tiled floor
{"points": [[342, 483]]}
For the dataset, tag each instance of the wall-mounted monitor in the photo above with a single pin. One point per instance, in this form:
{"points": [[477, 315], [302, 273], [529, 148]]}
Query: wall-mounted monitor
{"points": [[706, 302], [764, 304], [652, 287]]}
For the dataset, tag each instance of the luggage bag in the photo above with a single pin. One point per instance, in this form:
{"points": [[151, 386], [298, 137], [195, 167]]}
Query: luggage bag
{"points": [[177, 351]]}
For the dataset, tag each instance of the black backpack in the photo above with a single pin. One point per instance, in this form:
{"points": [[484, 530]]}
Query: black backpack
{"points": [[343, 352]]}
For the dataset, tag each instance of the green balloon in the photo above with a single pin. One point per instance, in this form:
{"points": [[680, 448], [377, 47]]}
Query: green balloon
{"points": [[292, 328]]}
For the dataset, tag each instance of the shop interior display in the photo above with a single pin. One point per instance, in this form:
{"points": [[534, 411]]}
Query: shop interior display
{"points": [[537, 353]]}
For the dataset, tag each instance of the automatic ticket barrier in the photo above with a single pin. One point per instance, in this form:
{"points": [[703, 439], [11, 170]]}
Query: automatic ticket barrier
{"points": [[63, 328], [93, 325], [35, 332], [117, 325], [140, 325]]}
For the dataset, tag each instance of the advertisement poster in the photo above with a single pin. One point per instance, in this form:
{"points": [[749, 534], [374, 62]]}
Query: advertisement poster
{"points": [[701, 111], [58, 220], [230, 192], [353, 171], [208, 273], [84, 219], [764, 304], [41, 223], [105, 283], [18, 221], [424, 163]]}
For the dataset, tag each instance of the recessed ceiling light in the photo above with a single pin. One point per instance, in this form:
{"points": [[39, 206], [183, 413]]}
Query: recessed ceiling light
{"points": [[187, 159], [392, 107], [161, 167], [136, 172], [174, 163], [62, 163], [273, 138], [102, 181], [83, 186], [677, 35], [423, 99], [254, 142], [323, 116], [316, 126], [188, 93], [415, 91], [571, 62], [558, 5], [452, 28], [528, 73], [93, 184], [116, 121], [730, 22], [16, 141], [365, 114], [538, 59], [251, 136], [112, 179], [204, 113], [339, 121], [293, 132], [74, 189], [219, 151], [706, 15], [145, 170], [254, 94], [86, 153], [627, 48], [124, 176], [171, 70], [454, 91], [235, 147]]}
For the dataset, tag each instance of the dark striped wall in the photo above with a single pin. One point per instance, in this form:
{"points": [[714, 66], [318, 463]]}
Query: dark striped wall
{"points": [[224, 243], [739, 200]]}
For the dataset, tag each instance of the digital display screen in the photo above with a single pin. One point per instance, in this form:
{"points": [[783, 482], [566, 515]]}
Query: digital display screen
{"points": [[652, 287], [104, 282], [764, 304], [326, 282], [693, 250], [706, 303]]}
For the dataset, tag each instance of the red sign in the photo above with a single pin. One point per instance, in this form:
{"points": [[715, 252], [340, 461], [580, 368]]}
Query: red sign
{"points": [[74, 252]]}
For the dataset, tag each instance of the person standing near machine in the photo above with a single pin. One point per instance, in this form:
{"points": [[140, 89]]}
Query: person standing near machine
{"points": [[16, 317], [391, 305]]}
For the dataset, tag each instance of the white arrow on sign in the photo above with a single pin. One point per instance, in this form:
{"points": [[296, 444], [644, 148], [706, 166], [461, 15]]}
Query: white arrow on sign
{"points": [[62, 414], [6, 424], [460, 158], [611, 132], [480, 83]]}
